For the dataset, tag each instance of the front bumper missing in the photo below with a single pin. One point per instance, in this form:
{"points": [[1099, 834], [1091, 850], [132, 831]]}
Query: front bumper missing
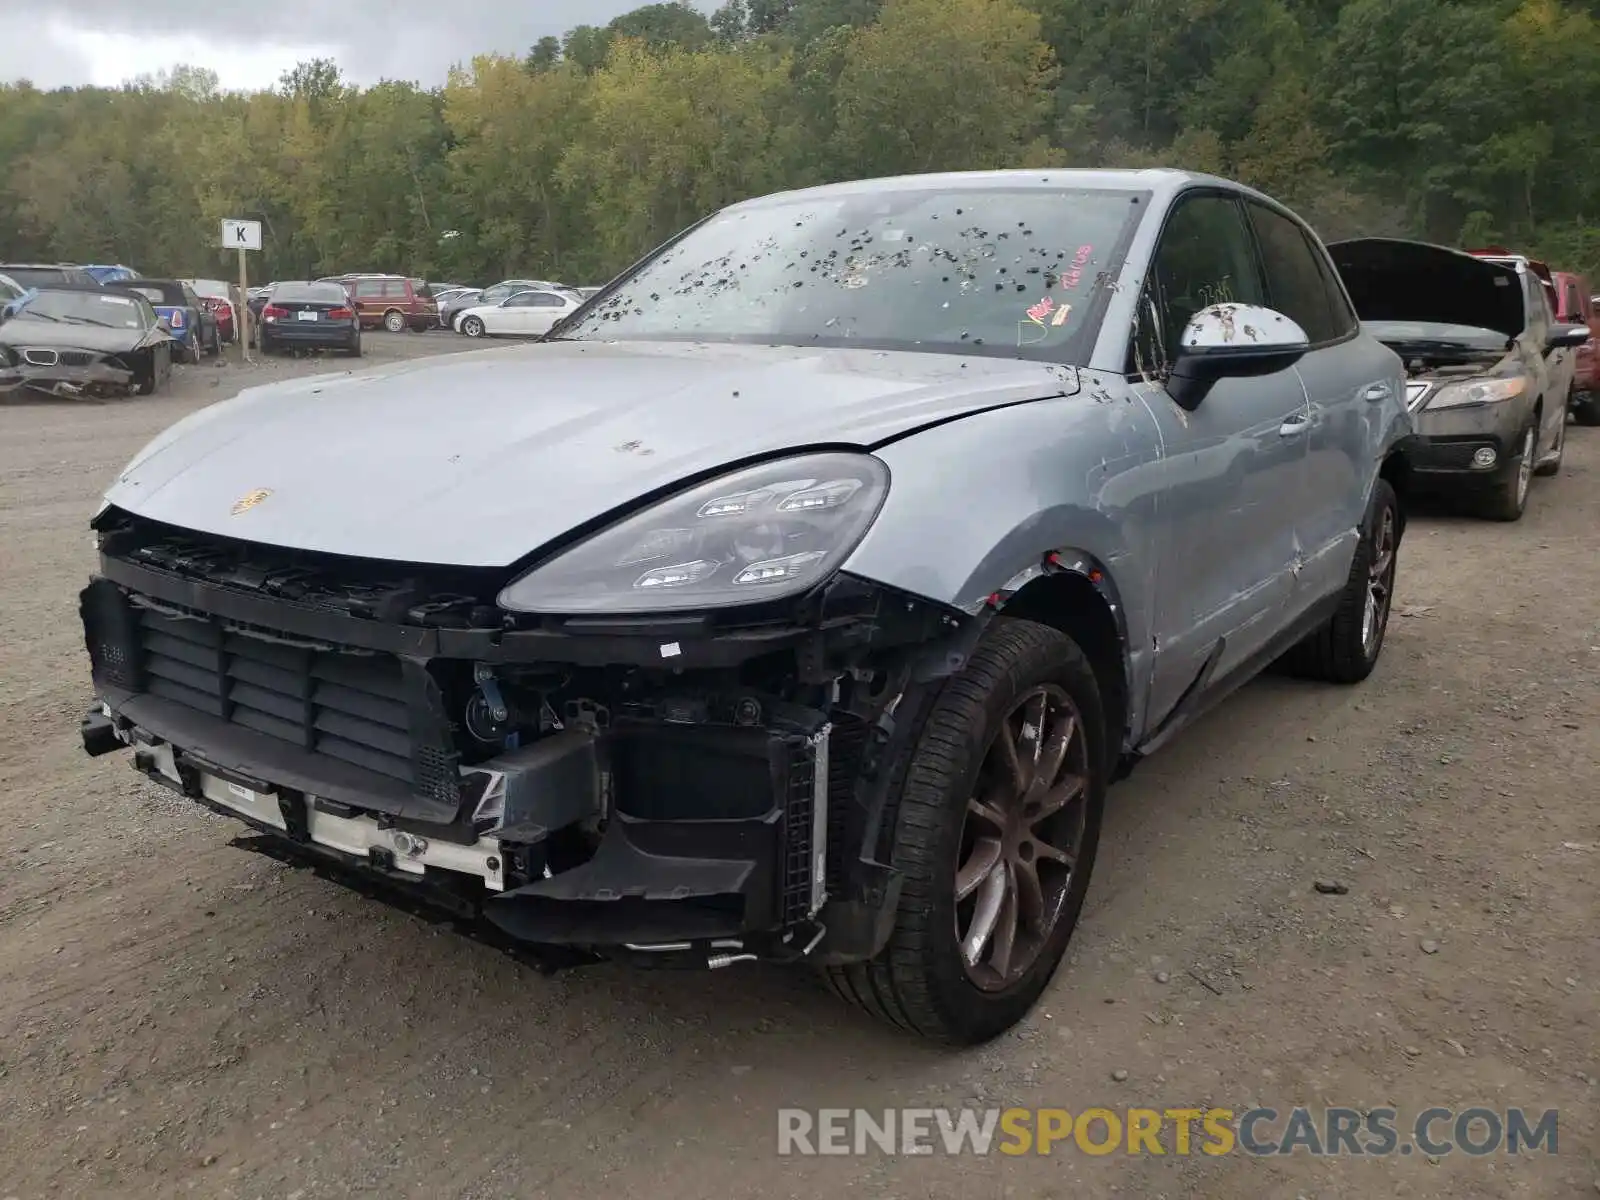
{"points": [[95, 379], [752, 879], [695, 827]]}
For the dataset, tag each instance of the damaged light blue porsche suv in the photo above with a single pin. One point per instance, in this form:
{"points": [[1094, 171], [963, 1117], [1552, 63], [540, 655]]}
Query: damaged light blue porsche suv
{"points": [[795, 599]]}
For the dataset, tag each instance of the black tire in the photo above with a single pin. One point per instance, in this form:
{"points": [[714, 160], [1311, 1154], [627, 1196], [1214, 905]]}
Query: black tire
{"points": [[1341, 651], [355, 347], [1586, 409], [920, 981], [1508, 499], [1553, 467], [149, 378], [394, 321], [473, 327]]}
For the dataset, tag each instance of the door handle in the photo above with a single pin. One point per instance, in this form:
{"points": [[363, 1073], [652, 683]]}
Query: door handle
{"points": [[1294, 426], [1377, 393]]}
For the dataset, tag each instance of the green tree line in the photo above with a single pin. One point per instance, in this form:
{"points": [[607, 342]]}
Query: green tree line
{"points": [[1461, 121]]}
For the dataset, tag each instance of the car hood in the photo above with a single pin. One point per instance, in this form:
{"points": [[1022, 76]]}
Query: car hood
{"points": [[22, 330], [482, 458], [1390, 279]]}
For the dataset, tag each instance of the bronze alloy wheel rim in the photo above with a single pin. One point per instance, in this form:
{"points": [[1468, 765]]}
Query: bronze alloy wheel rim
{"points": [[1022, 838], [1380, 583]]}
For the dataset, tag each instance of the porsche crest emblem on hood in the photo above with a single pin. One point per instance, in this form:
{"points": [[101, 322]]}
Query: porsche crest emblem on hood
{"points": [[249, 500]]}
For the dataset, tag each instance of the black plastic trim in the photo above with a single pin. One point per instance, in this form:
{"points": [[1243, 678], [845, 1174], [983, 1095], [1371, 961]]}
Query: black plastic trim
{"points": [[585, 646]]}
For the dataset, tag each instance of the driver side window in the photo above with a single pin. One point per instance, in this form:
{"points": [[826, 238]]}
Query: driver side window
{"points": [[1205, 257]]}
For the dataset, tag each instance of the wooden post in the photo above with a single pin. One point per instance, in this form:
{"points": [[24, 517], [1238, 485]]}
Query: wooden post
{"points": [[244, 309]]}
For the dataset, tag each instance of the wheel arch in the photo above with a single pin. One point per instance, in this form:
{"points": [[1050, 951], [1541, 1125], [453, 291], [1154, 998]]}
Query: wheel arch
{"points": [[1075, 594], [1396, 471]]}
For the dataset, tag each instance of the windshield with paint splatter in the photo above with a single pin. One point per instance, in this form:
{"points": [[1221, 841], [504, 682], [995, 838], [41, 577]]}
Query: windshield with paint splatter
{"points": [[987, 271]]}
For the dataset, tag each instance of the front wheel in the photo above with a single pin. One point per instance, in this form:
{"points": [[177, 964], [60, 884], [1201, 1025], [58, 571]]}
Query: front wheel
{"points": [[1553, 467], [149, 378], [995, 830], [1509, 498], [473, 327]]}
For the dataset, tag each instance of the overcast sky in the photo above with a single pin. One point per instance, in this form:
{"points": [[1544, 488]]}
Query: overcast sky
{"points": [[249, 43]]}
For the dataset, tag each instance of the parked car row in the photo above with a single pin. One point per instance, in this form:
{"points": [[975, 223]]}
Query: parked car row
{"points": [[98, 341]]}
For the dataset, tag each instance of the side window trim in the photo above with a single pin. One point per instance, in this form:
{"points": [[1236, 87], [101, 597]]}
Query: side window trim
{"points": [[1319, 256], [1344, 309]]}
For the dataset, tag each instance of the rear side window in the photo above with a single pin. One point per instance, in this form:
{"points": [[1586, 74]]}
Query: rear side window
{"points": [[1572, 304], [1541, 302], [369, 287], [395, 288], [1297, 285]]}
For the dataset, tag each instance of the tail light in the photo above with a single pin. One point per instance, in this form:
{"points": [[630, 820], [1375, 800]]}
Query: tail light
{"points": [[273, 312], [340, 314], [176, 320]]}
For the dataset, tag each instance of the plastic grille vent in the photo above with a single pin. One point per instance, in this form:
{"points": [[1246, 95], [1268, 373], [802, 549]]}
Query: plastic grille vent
{"points": [[112, 661], [437, 776], [350, 707], [799, 807]]}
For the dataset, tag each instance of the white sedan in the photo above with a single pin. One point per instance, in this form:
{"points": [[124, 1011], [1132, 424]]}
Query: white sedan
{"points": [[526, 314]]}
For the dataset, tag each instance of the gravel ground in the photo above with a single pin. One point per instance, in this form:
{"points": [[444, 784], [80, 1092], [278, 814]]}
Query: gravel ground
{"points": [[180, 1017]]}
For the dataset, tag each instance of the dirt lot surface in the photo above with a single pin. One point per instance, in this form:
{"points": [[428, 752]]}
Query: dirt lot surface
{"points": [[180, 1017]]}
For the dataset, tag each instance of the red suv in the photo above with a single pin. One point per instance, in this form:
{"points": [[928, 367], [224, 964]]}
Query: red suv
{"points": [[1575, 306], [391, 301]]}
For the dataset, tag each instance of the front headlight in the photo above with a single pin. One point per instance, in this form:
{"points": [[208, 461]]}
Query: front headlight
{"points": [[761, 533], [1478, 391]]}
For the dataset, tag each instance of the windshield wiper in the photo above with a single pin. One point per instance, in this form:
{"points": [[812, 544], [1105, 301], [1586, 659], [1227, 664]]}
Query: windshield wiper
{"points": [[75, 319], [37, 316]]}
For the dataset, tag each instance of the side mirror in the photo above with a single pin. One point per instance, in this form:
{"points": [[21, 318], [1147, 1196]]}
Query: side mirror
{"points": [[1566, 335], [1226, 340]]}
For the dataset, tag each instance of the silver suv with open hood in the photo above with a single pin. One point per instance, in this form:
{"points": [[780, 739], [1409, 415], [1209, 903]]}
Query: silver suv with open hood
{"points": [[1485, 375], [797, 599]]}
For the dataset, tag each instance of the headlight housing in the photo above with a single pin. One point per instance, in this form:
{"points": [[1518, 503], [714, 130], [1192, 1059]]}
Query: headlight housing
{"points": [[1478, 391], [761, 533]]}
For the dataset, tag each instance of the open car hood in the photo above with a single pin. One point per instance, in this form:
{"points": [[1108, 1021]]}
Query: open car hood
{"points": [[480, 459], [1390, 279]]}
